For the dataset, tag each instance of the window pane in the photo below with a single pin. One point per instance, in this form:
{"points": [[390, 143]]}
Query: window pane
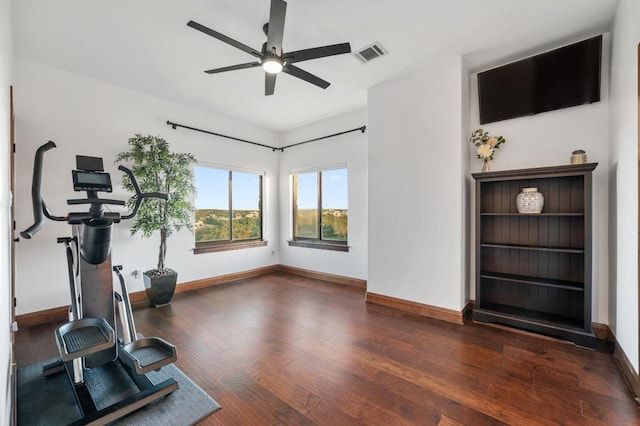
{"points": [[306, 205], [212, 204], [334, 205], [246, 206]]}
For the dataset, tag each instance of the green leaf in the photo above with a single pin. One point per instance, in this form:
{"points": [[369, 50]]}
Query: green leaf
{"points": [[157, 169]]}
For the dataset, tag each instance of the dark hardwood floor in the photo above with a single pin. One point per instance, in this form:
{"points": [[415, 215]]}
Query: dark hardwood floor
{"points": [[282, 349]]}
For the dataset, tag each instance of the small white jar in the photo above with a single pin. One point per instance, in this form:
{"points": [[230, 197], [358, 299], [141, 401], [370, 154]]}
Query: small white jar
{"points": [[530, 201]]}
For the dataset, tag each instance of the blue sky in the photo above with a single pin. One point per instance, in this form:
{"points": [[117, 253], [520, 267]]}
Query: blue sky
{"points": [[334, 190], [213, 190]]}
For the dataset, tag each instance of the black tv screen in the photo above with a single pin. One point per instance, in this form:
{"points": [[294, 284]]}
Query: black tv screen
{"points": [[561, 78]]}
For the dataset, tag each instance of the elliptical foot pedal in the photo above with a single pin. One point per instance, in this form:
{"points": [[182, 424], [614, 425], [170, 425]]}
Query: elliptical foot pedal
{"points": [[148, 353], [84, 337]]}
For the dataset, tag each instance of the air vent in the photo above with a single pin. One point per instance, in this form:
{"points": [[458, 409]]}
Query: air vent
{"points": [[371, 52]]}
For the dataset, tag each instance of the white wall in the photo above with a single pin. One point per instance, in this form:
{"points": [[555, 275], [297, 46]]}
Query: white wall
{"points": [[416, 193], [548, 139], [624, 177], [6, 61], [351, 149], [84, 116]]}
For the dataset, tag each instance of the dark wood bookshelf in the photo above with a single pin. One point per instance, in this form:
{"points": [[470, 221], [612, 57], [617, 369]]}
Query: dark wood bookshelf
{"points": [[533, 271], [569, 285], [534, 248], [529, 214]]}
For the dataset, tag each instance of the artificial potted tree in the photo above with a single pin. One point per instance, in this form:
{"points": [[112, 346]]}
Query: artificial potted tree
{"points": [[157, 169]]}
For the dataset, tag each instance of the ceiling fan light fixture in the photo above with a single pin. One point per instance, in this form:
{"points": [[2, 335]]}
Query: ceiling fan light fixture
{"points": [[272, 65]]}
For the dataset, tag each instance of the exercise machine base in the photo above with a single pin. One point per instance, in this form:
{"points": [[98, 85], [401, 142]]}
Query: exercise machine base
{"points": [[125, 393]]}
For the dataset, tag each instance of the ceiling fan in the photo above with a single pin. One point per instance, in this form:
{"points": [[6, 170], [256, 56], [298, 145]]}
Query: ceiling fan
{"points": [[271, 57]]}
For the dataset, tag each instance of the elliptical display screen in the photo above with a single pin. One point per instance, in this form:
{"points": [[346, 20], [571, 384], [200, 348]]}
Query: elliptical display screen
{"points": [[91, 181]]}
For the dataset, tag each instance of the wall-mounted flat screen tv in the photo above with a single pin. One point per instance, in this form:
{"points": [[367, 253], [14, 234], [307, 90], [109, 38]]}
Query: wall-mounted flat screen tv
{"points": [[560, 78]]}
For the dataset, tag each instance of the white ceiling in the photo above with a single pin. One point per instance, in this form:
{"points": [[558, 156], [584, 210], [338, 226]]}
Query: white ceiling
{"points": [[145, 45]]}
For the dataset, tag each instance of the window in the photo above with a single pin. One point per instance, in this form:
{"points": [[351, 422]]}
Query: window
{"points": [[228, 209], [320, 209]]}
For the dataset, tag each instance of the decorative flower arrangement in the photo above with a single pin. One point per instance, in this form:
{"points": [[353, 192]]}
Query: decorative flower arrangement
{"points": [[486, 144]]}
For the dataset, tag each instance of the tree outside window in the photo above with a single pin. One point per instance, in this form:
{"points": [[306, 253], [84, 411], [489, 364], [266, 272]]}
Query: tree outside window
{"points": [[228, 206], [320, 208]]}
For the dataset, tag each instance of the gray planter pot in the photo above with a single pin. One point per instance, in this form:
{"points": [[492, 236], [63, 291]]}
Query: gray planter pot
{"points": [[160, 289]]}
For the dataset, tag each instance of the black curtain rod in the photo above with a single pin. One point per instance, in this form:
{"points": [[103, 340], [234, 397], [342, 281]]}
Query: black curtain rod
{"points": [[362, 129], [176, 125]]}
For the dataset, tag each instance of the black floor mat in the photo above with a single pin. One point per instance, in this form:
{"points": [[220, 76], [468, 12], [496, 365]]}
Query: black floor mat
{"points": [[50, 400]]}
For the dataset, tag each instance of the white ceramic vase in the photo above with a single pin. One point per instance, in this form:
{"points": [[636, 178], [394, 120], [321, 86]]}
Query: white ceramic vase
{"points": [[530, 201]]}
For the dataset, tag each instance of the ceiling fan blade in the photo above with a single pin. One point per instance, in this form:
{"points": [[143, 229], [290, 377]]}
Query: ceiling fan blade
{"points": [[276, 27], [308, 77], [269, 83], [224, 38], [317, 52], [234, 67]]}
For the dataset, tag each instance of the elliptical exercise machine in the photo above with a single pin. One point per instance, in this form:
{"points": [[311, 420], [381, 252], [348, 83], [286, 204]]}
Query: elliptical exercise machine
{"points": [[97, 313]]}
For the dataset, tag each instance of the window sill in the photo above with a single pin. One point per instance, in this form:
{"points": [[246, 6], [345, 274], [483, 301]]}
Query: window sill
{"points": [[228, 245], [322, 245]]}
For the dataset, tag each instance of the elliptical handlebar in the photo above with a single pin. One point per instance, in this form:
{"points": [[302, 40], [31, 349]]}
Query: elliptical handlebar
{"points": [[36, 197], [140, 196], [40, 210]]}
